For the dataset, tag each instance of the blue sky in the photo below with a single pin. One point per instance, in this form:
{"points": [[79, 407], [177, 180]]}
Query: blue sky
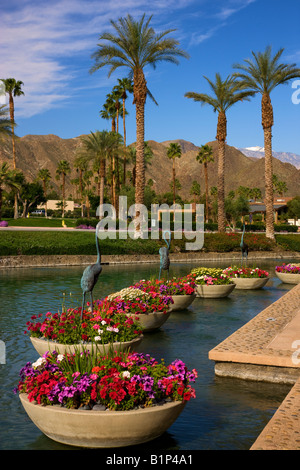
{"points": [[48, 45]]}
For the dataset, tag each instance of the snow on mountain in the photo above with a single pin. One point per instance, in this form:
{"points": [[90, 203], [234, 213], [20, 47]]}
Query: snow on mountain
{"points": [[285, 157]]}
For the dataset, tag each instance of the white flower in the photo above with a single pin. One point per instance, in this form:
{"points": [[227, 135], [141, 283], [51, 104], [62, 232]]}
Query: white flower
{"points": [[39, 362], [60, 357], [100, 331], [97, 338], [103, 322], [125, 374]]}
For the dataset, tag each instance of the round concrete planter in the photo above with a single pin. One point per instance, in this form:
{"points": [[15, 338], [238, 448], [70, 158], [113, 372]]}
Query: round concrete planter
{"points": [[181, 302], [102, 429], [288, 278], [42, 346], [214, 291], [249, 282], [150, 321]]}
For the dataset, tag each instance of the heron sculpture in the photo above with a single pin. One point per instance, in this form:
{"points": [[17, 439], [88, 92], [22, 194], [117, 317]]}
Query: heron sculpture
{"points": [[164, 255], [90, 275], [244, 247]]}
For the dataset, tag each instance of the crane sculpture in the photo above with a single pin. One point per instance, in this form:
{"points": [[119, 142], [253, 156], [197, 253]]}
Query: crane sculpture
{"points": [[90, 275], [164, 255], [244, 247]]}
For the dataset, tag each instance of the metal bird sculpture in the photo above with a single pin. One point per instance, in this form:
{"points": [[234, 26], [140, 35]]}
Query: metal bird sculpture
{"points": [[90, 274], [164, 255], [244, 247]]}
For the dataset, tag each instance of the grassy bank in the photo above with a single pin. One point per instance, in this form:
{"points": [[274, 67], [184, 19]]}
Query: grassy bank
{"points": [[83, 243]]}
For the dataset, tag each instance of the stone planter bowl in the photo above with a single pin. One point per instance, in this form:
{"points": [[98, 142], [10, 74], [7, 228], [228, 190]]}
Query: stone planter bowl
{"points": [[42, 346], [102, 429], [288, 278], [181, 302], [250, 282], [150, 321], [214, 291]]}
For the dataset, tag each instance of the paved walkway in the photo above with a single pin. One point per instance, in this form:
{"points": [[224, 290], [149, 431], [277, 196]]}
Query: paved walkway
{"points": [[270, 342]]}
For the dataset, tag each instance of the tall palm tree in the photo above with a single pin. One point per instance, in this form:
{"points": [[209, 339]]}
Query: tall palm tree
{"points": [[5, 123], [225, 94], [13, 88], [205, 156], [134, 45], [262, 74], [173, 152], [45, 176], [81, 165], [63, 169], [124, 85]]}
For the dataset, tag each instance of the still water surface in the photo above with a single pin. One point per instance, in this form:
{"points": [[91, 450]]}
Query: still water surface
{"points": [[227, 414]]}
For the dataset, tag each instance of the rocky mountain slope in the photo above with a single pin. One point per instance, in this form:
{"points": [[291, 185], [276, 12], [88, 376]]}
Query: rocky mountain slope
{"points": [[35, 152]]}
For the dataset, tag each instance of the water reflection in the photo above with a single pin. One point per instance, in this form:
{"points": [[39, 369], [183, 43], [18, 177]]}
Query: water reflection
{"points": [[227, 413]]}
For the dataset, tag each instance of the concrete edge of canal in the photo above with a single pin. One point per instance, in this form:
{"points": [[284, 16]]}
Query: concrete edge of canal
{"points": [[29, 261]]}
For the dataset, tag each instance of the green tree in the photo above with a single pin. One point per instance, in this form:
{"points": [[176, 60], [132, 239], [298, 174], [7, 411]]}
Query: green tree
{"points": [[262, 74], [195, 190], [135, 45], [63, 169], [205, 156], [173, 152], [7, 178], [294, 208], [225, 94], [279, 187]]}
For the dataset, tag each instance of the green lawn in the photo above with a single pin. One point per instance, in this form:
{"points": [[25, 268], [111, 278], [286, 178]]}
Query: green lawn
{"points": [[40, 222]]}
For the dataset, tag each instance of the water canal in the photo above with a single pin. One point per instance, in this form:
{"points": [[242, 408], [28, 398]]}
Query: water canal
{"points": [[227, 414]]}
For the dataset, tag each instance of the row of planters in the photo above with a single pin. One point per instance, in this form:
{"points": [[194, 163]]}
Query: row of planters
{"points": [[90, 388]]}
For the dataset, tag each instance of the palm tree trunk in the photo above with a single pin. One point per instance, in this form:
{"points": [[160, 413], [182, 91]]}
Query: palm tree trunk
{"points": [[269, 197], [12, 118], [267, 123], [206, 191], [102, 176], [124, 140], [63, 195], [174, 178], [221, 137], [140, 93]]}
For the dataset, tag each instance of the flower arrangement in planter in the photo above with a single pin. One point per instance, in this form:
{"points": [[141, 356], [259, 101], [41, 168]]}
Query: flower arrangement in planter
{"points": [[150, 309], [181, 290], [177, 286], [245, 272], [247, 278], [117, 381], [290, 268], [106, 324], [135, 300], [289, 273], [115, 400], [212, 282], [210, 276]]}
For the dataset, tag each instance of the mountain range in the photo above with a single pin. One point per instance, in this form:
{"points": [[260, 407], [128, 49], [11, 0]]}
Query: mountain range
{"points": [[34, 152], [286, 157]]}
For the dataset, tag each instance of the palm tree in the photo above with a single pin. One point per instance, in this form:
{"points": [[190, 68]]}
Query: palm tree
{"points": [[225, 94], [173, 152], [134, 45], [5, 123], [205, 156], [261, 75], [124, 85], [195, 190], [7, 178], [45, 176], [63, 169], [13, 88]]}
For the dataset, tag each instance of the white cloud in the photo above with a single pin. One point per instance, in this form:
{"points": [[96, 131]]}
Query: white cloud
{"points": [[47, 45]]}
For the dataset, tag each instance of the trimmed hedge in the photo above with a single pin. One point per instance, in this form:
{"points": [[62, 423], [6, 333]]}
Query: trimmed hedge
{"points": [[83, 243]]}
